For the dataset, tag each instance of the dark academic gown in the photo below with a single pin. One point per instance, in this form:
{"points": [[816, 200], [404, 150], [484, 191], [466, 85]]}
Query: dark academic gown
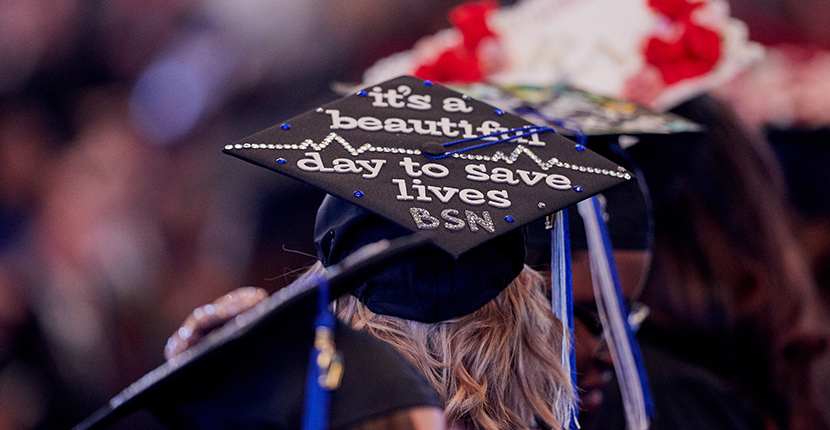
{"points": [[686, 394]]}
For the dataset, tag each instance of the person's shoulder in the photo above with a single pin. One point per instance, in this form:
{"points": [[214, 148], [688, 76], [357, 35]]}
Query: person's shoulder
{"points": [[689, 396]]}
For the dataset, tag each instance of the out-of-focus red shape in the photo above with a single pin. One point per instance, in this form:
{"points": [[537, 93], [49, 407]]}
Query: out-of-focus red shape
{"points": [[693, 54], [460, 63], [471, 20], [675, 10]]}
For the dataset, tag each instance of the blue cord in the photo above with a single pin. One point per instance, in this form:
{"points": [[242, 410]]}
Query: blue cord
{"points": [[530, 129], [648, 400], [562, 251], [572, 126], [315, 413]]}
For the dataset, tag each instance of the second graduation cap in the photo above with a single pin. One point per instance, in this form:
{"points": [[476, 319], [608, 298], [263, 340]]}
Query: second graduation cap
{"points": [[428, 158]]}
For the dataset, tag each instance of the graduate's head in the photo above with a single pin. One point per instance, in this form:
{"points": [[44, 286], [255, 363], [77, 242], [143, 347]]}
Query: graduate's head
{"points": [[408, 156], [429, 285]]}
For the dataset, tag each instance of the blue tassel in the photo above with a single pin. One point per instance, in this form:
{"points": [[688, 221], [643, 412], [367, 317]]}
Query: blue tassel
{"points": [[562, 303], [625, 349], [315, 413], [613, 313], [624, 310]]}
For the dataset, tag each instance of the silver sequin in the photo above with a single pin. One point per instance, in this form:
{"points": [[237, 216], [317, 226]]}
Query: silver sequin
{"points": [[474, 221], [423, 219], [450, 215]]}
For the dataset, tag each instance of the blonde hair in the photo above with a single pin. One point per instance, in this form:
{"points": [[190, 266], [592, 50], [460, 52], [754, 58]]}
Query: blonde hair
{"points": [[496, 368]]}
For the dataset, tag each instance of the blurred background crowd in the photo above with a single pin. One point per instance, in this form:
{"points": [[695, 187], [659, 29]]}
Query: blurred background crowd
{"points": [[118, 212]]}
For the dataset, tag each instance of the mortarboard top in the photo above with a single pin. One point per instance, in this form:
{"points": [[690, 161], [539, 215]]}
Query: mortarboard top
{"points": [[593, 114], [251, 372], [429, 158]]}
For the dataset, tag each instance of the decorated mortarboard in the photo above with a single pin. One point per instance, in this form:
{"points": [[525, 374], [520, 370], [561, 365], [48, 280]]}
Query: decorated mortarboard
{"points": [[429, 158], [565, 107], [659, 52]]}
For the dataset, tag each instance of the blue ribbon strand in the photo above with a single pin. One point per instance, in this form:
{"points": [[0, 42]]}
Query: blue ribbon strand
{"points": [[315, 413], [523, 132], [562, 301], [648, 400], [567, 124]]}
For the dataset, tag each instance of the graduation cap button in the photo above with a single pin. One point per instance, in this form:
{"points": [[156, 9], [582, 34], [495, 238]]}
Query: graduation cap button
{"points": [[434, 149]]}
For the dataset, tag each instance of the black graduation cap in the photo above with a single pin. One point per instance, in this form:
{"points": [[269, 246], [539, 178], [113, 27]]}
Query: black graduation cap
{"points": [[594, 114], [251, 372], [429, 158]]}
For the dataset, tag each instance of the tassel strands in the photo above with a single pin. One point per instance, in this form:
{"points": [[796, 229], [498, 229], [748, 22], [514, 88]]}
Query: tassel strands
{"points": [[562, 303], [613, 313]]}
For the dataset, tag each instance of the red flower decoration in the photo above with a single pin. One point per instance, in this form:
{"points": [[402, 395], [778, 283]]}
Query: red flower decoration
{"points": [[455, 65], [675, 10], [461, 63], [695, 53], [471, 20]]}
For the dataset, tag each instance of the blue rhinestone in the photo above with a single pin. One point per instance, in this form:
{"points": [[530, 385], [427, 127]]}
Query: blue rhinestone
{"points": [[362, 93], [499, 112], [509, 218], [578, 189], [579, 147], [428, 83], [281, 160], [358, 193], [285, 127]]}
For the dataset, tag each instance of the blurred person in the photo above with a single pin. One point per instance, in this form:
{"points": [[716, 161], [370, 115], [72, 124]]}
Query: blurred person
{"points": [[38, 36], [94, 252], [124, 224], [793, 115], [784, 97], [54, 51], [732, 306], [32, 394]]}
